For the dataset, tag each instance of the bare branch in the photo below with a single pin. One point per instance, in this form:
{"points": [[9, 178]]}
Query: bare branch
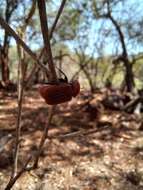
{"points": [[11, 32], [50, 35], [50, 116], [31, 12], [20, 98], [45, 33], [55, 23], [13, 180], [57, 18]]}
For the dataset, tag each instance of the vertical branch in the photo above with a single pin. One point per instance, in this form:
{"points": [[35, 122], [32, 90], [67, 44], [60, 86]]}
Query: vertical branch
{"points": [[129, 76], [18, 126], [55, 23], [45, 33], [44, 136], [21, 75], [57, 18]]}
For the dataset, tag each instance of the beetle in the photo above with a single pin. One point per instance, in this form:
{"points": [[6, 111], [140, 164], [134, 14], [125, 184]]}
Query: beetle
{"points": [[57, 93]]}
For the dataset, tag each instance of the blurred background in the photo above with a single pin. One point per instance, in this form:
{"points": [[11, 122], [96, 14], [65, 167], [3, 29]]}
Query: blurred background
{"points": [[97, 41]]}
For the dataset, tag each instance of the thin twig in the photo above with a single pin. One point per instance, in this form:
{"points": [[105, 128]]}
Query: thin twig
{"points": [[45, 33], [21, 75], [57, 18], [14, 179], [78, 133], [50, 116], [54, 24], [20, 98]]}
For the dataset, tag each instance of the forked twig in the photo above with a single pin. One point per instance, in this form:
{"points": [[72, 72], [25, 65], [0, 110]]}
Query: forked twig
{"points": [[14, 179], [50, 36], [54, 24]]}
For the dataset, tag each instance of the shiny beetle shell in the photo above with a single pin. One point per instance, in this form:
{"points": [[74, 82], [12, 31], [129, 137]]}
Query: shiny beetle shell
{"points": [[59, 93]]}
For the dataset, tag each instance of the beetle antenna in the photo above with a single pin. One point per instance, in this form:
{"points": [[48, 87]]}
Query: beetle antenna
{"points": [[66, 78]]}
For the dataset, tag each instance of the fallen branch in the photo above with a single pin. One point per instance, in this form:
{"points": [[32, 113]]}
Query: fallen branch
{"points": [[78, 133], [131, 104]]}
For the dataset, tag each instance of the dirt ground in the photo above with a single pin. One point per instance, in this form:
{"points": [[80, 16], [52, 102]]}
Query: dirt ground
{"points": [[86, 148]]}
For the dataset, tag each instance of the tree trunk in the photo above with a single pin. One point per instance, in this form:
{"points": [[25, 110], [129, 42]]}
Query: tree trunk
{"points": [[4, 61], [4, 65], [129, 76]]}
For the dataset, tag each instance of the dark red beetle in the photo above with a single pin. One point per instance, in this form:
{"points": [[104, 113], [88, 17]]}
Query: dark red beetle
{"points": [[60, 92]]}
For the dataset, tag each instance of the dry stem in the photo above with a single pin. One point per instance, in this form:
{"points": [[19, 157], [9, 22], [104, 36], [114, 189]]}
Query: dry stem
{"points": [[46, 39], [44, 136], [18, 126]]}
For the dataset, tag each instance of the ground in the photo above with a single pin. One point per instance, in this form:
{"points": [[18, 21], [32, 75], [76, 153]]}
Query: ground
{"points": [[88, 148]]}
